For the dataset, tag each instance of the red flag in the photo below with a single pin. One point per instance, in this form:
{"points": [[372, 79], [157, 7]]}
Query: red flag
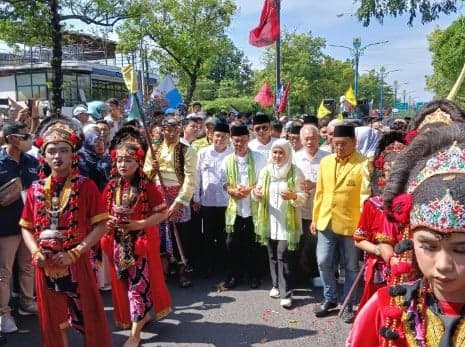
{"points": [[265, 96], [268, 29], [283, 102]]}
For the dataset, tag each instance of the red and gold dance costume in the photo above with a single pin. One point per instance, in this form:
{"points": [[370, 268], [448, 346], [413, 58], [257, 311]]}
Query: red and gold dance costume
{"points": [[137, 277], [374, 227], [66, 295], [407, 313]]}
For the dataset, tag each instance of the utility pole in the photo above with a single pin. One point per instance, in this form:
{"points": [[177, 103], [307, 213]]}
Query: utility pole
{"points": [[357, 50], [382, 74], [278, 57]]}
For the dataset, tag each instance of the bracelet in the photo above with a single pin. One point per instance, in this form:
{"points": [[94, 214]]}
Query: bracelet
{"points": [[35, 253], [74, 253], [72, 256]]}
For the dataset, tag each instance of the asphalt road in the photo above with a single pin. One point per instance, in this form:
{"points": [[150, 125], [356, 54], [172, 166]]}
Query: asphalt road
{"points": [[205, 316]]}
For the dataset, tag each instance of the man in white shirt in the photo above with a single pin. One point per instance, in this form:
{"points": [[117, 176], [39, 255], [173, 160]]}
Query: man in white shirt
{"points": [[115, 116], [261, 126], [240, 172], [308, 160], [210, 199]]}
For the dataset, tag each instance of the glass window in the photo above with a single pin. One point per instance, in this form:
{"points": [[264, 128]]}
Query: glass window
{"points": [[24, 93], [23, 79], [38, 78]]}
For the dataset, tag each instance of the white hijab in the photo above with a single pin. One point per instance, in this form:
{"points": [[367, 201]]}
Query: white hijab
{"points": [[280, 171]]}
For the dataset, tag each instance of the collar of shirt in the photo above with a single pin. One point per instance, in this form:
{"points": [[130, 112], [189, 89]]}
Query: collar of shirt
{"points": [[345, 159]]}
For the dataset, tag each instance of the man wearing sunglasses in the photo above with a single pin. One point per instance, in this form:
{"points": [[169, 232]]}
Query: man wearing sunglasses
{"points": [[15, 163], [261, 125]]}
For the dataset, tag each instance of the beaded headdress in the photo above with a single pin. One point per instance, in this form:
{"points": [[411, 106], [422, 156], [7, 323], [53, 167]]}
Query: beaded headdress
{"points": [[438, 116], [128, 145], [58, 132], [443, 215]]}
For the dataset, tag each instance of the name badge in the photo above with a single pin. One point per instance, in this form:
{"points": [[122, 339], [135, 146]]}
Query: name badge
{"points": [[351, 183]]}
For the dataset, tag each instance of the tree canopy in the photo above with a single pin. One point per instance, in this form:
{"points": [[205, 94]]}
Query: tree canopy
{"points": [[427, 10], [448, 49], [185, 36]]}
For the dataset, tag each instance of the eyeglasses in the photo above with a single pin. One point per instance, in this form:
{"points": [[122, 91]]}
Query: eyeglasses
{"points": [[23, 137], [262, 128]]}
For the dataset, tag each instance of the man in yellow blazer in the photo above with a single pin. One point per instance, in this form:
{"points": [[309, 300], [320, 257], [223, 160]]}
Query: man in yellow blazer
{"points": [[342, 186]]}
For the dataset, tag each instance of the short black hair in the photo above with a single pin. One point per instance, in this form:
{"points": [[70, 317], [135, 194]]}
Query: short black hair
{"points": [[277, 125], [113, 101], [12, 128]]}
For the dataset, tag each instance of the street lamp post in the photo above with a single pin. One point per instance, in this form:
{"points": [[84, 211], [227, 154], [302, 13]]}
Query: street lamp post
{"points": [[396, 88], [357, 50], [382, 74]]}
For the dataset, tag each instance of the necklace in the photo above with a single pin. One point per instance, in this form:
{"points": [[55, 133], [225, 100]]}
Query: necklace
{"points": [[67, 205]]}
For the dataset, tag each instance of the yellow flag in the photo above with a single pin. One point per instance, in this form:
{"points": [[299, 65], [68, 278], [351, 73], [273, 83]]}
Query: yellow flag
{"points": [[350, 96], [130, 79], [322, 111]]}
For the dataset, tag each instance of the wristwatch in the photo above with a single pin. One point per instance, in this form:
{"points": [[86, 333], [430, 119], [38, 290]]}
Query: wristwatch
{"points": [[377, 250]]}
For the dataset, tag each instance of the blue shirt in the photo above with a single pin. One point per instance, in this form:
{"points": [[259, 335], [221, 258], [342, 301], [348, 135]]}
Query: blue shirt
{"points": [[26, 168]]}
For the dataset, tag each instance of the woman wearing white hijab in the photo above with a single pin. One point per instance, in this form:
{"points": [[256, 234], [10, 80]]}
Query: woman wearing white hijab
{"points": [[278, 225]]}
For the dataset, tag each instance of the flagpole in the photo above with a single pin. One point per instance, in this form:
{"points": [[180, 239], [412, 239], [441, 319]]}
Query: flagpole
{"points": [[278, 56]]}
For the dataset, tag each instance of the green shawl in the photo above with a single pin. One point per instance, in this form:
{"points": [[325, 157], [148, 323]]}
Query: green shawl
{"points": [[232, 173], [262, 225]]}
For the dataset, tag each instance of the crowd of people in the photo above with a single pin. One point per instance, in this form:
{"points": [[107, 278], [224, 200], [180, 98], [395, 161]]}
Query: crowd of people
{"points": [[98, 202]]}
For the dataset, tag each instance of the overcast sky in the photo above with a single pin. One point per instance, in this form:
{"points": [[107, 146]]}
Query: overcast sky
{"points": [[406, 51]]}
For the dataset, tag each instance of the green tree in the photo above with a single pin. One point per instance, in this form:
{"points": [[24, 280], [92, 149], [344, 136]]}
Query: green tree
{"points": [[428, 10], [186, 35], [370, 89], [448, 51], [42, 22], [229, 73], [301, 59]]}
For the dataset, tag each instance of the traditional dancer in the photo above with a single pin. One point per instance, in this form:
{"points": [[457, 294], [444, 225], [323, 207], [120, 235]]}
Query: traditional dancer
{"points": [[425, 196], [375, 234], [62, 219], [132, 244]]}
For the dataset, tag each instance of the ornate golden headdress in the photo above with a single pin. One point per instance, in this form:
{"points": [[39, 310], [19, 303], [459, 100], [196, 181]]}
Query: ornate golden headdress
{"points": [[129, 146], [438, 116], [58, 132]]}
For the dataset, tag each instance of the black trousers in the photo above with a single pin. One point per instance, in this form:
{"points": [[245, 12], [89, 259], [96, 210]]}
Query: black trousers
{"points": [[243, 250], [308, 266], [213, 237], [282, 267]]}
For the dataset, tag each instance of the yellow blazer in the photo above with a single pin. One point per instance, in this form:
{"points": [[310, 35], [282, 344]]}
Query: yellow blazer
{"points": [[339, 200]]}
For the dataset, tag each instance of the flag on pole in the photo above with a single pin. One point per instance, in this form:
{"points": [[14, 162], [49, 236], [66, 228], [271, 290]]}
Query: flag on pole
{"points": [[133, 106], [350, 96], [268, 29], [168, 91], [265, 96], [282, 97], [233, 110], [322, 111]]}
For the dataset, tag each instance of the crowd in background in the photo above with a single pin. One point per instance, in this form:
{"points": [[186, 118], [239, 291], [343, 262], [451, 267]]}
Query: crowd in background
{"points": [[243, 196]]}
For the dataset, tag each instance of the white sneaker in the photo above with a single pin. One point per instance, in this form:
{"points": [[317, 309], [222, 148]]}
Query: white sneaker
{"points": [[7, 324], [286, 303], [28, 310], [274, 293]]}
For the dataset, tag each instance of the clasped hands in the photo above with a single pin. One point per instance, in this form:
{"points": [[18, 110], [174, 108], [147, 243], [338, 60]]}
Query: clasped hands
{"points": [[240, 192]]}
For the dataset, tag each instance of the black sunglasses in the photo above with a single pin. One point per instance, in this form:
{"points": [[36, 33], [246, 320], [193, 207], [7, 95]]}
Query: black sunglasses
{"points": [[262, 128], [23, 137]]}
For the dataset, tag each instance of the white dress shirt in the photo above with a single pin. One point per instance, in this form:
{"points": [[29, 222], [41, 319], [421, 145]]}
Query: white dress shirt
{"points": [[309, 166], [209, 185]]}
